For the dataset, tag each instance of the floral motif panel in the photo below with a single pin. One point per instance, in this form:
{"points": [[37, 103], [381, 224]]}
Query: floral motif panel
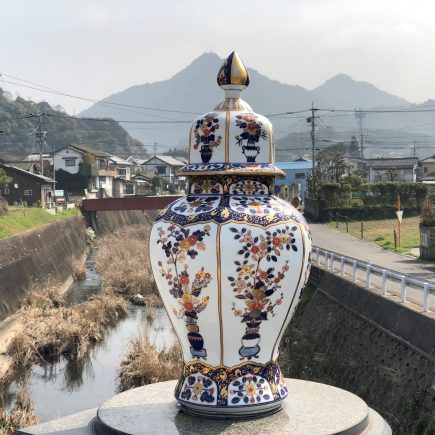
{"points": [[250, 138], [256, 205], [249, 390], [248, 186], [208, 138], [194, 205], [206, 186], [200, 389]]}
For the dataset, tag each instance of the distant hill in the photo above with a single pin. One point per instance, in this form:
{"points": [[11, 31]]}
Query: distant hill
{"points": [[344, 92], [194, 89], [18, 137]]}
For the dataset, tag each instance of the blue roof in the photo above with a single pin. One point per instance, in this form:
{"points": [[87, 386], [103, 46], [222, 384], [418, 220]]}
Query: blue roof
{"points": [[294, 165]]}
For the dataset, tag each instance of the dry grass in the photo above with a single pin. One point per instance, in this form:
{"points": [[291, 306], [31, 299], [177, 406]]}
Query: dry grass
{"points": [[124, 264], [22, 415], [143, 365], [78, 270], [51, 330]]}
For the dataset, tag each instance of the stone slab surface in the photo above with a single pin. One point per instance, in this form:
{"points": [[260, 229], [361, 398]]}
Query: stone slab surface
{"points": [[74, 424], [311, 408]]}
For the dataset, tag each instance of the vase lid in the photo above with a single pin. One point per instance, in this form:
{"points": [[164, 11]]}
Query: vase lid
{"points": [[232, 138]]}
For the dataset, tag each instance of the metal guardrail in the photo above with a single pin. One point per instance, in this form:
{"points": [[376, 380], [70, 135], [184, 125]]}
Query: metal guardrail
{"points": [[333, 259]]}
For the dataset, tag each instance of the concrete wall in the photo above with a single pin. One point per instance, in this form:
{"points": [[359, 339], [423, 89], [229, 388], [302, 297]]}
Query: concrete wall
{"points": [[108, 221], [346, 336], [36, 254]]}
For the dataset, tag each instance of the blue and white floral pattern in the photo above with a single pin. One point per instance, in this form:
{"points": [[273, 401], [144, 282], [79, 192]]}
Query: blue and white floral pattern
{"points": [[249, 390], [258, 205], [198, 388], [248, 186], [193, 205]]}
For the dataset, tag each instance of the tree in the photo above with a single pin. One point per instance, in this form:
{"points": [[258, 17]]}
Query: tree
{"points": [[4, 179], [156, 184]]}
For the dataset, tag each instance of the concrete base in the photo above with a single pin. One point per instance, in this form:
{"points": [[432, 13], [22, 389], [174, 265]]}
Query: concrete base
{"points": [[311, 408]]}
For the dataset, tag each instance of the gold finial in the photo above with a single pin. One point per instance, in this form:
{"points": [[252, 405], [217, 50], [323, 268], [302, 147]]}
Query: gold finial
{"points": [[233, 72]]}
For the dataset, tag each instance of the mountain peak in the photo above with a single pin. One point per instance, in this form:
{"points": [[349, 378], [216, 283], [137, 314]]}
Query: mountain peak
{"points": [[343, 91]]}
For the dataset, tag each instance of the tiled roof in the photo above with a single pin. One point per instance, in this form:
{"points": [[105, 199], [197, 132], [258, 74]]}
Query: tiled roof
{"points": [[41, 177], [391, 162], [167, 159]]}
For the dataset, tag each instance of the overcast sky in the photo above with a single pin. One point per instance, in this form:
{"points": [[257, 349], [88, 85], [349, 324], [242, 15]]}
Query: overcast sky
{"points": [[95, 48]]}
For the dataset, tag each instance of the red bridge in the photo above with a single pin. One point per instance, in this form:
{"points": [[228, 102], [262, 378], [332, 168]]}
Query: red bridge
{"points": [[127, 203]]}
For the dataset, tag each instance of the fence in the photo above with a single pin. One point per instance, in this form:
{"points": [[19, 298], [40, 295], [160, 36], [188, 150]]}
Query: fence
{"points": [[332, 259]]}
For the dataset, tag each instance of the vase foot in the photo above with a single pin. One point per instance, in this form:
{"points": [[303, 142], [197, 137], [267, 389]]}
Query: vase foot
{"points": [[234, 412]]}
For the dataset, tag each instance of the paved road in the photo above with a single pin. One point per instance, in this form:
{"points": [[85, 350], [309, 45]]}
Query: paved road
{"points": [[331, 239]]}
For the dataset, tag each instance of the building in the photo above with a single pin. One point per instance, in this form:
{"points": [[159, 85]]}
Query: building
{"points": [[80, 168], [425, 169], [166, 167], [295, 181], [391, 169], [27, 187]]}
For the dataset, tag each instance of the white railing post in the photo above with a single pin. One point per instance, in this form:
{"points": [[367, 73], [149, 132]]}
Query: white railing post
{"points": [[403, 287], [355, 270], [368, 276], [318, 256], [384, 282], [342, 267], [426, 297], [332, 263], [326, 259]]}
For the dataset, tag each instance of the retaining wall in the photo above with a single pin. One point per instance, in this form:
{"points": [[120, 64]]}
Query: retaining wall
{"points": [[36, 254], [346, 336]]}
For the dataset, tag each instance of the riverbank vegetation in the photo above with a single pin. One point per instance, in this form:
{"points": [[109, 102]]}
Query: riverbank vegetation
{"points": [[143, 364], [21, 415], [51, 330], [19, 219], [124, 264]]}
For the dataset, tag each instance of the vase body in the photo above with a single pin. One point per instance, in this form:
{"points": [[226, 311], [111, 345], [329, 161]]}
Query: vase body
{"points": [[230, 268], [230, 260]]}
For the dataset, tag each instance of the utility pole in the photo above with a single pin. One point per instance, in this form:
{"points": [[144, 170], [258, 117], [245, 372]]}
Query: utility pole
{"points": [[415, 153], [312, 120], [359, 115], [155, 148]]}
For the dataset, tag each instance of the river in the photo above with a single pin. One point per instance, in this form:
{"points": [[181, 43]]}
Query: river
{"points": [[67, 387]]}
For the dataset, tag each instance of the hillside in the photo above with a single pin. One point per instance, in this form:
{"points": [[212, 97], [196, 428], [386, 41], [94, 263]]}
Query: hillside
{"points": [[194, 89], [18, 137], [344, 92]]}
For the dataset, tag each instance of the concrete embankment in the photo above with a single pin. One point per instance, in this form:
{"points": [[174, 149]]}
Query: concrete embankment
{"points": [[35, 255], [346, 336]]}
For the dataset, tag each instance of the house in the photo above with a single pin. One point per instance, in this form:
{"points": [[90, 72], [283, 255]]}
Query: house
{"points": [[166, 167], [425, 168], [295, 181], [142, 184], [391, 169], [136, 164], [27, 187]]}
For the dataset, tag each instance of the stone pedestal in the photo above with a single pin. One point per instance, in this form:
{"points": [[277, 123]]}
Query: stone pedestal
{"points": [[310, 409]]}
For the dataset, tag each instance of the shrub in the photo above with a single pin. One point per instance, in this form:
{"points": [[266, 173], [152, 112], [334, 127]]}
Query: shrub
{"points": [[78, 270], [427, 217]]}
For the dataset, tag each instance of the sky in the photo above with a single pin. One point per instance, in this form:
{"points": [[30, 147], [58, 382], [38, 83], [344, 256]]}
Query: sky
{"points": [[94, 48]]}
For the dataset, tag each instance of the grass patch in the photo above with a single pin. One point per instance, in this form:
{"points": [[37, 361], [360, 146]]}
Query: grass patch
{"points": [[381, 232], [19, 219], [124, 263], [144, 365]]}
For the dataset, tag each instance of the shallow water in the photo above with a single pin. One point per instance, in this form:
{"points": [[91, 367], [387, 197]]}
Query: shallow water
{"points": [[64, 388]]}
